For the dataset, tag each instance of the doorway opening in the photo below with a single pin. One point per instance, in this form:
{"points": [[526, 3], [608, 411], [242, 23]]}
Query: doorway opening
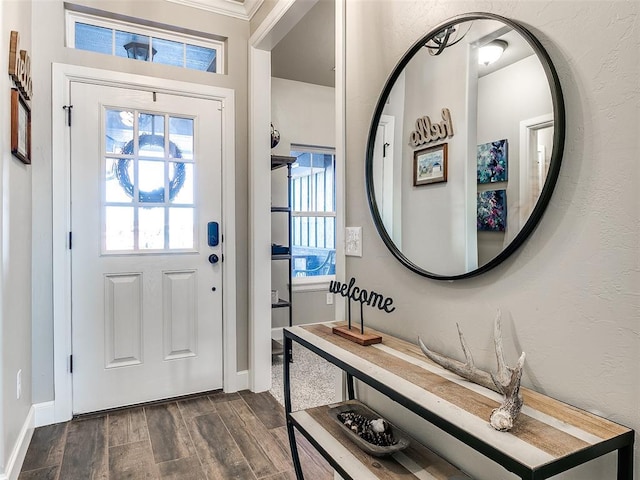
{"points": [[284, 31]]}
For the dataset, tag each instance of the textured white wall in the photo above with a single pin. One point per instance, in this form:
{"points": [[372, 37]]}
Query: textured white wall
{"points": [[434, 216], [15, 244], [303, 113], [570, 295]]}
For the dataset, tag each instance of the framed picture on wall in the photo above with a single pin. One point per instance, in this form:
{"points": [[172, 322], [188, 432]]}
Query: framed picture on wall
{"points": [[492, 162], [20, 127], [430, 165], [492, 211]]}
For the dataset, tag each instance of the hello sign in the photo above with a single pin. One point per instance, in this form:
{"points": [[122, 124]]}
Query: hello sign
{"points": [[20, 67], [427, 131]]}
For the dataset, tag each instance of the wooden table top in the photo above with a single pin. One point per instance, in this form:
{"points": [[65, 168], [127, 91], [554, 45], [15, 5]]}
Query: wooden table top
{"points": [[546, 429]]}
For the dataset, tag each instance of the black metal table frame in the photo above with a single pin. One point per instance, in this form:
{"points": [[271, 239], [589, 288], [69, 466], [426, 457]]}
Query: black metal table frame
{"points": [[622, 443]]}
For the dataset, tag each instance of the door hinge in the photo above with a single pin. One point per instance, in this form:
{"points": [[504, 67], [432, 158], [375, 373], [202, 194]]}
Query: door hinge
{"points": [[70, 240], [70, 363], [67, 108]]}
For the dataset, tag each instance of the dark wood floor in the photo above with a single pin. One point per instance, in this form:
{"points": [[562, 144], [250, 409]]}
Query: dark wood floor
{"points": [[216, 437]]}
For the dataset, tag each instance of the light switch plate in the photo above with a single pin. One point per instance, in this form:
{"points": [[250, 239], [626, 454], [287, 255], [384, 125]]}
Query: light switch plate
{"points": [[353, 239]]}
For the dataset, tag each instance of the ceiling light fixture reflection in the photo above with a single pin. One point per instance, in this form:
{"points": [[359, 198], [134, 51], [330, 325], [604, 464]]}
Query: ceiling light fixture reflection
{"points": [[491, 52], [126, 118], [447, 37]]}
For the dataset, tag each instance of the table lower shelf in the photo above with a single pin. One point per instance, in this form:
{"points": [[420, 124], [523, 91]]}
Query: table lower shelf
{"points": [[416, 461]]}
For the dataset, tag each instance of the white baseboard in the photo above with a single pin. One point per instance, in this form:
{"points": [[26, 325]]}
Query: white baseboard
{"points": [[242, 380], [45, 414], [14, 464]]}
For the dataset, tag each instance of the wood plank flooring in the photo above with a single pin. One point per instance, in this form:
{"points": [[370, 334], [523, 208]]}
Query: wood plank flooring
{"points": [[220, 436]]}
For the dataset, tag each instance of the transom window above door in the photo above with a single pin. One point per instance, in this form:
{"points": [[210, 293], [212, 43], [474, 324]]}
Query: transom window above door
{"points": [[101, 34], [148, 184]]}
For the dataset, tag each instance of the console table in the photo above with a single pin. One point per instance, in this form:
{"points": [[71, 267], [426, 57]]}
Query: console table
{"points": [[549, 437]]}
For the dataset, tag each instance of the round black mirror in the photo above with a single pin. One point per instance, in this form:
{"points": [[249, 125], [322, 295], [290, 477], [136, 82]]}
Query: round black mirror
{"points": [[465, 146]]}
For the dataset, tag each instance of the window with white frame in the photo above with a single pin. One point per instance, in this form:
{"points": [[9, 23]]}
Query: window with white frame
{"points": [[313, 220], [140, 42], [148, 187]]}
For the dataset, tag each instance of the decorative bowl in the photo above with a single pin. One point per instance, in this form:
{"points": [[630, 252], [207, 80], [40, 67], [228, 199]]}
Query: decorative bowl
{"points": [[399, 437]]}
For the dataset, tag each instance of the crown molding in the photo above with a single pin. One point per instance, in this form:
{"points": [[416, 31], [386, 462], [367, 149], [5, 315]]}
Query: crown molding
{"points": [[232, 8]]}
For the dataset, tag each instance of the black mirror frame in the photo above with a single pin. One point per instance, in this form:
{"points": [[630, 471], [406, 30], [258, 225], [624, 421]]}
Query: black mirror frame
{"points": [[554, 166]]}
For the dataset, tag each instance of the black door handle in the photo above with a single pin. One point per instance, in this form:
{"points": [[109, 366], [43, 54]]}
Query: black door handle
{"points": [[213, 258]]}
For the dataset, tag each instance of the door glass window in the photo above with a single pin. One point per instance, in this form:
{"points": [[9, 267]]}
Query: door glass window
{"points": [[148, 186]]}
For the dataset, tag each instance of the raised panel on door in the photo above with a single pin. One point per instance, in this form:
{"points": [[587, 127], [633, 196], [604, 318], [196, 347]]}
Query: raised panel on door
{"points": [[123, 319], [180, 311]]}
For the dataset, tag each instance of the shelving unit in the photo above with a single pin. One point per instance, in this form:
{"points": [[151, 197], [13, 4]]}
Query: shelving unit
{"points": [[550, 436], [279, 162]]}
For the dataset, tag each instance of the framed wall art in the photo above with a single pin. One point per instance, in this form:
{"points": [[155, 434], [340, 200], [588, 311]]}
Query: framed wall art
{"points": [[430, 165], [20, 127], [492, 211], [492, 162]]}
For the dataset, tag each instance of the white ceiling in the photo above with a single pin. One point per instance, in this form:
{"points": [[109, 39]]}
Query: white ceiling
{"points": [[307, 52], [517, 49]]}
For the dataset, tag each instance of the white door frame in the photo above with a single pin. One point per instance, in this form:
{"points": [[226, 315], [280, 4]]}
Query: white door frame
{"points": [[386, 173], [63, 75], [528, 128], [280, 20]]}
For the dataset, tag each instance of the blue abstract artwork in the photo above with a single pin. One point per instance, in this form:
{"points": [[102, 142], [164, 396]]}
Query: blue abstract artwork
{"points": [[492, 210], [492, 162]]}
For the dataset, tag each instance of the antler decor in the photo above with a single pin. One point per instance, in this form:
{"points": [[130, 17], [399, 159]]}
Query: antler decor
{"points": [[506, 381]]}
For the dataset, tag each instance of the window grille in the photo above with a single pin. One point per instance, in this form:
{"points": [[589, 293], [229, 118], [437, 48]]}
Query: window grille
{"points": [[143, 43], [313, 212]]}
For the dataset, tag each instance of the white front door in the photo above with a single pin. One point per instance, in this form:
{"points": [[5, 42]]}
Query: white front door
{"points": [[146, 299]]}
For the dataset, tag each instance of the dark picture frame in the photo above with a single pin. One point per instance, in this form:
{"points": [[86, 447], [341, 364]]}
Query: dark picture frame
{"points": [[20, 127], [430, 165]]}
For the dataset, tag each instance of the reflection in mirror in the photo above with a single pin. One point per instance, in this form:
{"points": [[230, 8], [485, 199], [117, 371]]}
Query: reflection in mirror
{"points": [[502, 121]]}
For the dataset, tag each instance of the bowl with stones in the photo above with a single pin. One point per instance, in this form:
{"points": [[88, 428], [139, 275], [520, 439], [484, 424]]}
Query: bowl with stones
{"points": [[367, 429]]}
